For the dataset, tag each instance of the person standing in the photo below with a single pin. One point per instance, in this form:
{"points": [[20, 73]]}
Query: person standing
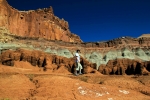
{"points": [[78, 64]]}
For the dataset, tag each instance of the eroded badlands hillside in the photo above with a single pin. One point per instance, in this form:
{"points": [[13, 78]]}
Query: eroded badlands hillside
{"points": [[120, 56], [42, 31]]}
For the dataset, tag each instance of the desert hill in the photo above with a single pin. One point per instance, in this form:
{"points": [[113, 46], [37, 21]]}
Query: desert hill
{"points": [[67, 87]]}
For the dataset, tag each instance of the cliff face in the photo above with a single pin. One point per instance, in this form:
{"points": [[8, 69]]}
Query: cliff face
{"points": [[35, 23]]}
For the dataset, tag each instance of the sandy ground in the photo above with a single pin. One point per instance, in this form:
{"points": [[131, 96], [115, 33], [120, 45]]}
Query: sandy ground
{"points": [[31, 83]]}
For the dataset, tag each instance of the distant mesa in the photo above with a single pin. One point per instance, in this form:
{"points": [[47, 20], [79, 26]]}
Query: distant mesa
{"points": [[145, 36]]}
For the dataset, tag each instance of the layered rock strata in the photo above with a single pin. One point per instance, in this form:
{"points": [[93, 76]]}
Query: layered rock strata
{"points": [[46, 61], [125, 66], [131, 48]]}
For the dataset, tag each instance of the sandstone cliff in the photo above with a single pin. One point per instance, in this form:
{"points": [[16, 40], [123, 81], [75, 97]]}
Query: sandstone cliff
{"points": [[35, 23]]}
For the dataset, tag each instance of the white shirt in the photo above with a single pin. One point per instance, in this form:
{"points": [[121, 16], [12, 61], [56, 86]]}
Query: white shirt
{"points": [[78, 57]]}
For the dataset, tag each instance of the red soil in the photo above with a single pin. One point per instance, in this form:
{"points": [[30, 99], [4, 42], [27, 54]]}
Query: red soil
{"points": [[32, 83]]}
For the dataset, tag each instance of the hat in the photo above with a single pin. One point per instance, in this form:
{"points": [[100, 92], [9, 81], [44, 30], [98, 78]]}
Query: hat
{"points": [[78, 50]]}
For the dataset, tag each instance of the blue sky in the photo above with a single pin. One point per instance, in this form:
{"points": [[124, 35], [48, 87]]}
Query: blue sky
{"points": [[97, 20]]}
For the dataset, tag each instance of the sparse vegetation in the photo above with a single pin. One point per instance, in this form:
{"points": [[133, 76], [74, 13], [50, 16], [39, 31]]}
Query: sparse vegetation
{"points": [[31, 76], [83, 78], [5, 99], [145, 92]]}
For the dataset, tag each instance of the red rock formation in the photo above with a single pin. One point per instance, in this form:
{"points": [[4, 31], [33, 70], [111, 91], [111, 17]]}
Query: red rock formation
{"points": [[125, 66], [46, 61], [35, 23], [53, 62]]}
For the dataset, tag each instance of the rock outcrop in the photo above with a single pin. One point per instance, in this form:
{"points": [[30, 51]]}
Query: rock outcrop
{"points": [[51, 62], [40, 59], [40, 23], [125, 66]]}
